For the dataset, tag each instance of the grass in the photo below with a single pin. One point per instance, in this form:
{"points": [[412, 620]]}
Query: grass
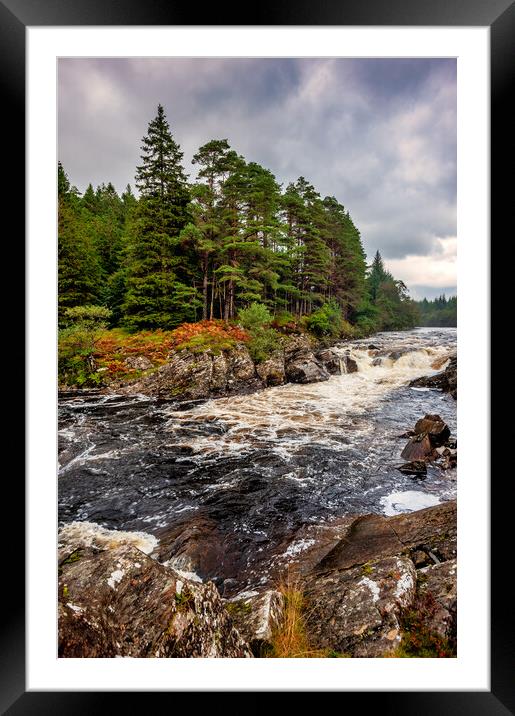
{"points": [[291, 639]]}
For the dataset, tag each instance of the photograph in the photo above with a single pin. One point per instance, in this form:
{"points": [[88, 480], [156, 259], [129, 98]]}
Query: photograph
{"points": [[257, 357]]}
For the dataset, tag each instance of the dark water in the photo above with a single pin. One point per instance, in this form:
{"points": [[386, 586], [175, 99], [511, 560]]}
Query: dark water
{"points": [[258, 466]]}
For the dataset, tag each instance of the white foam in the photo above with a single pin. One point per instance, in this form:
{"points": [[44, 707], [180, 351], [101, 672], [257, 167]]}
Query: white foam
{"points": [[409, 501], [89, 534]]}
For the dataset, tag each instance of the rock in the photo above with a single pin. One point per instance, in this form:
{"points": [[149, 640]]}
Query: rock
{"points": [[356, 611], [371, 537], [368, 537], [418, 448], [447, 380], [138, 363], [191, 376], [349, 364], [331, 360], [120, 602], [373, 347], [420, 558], [256, 616], [301, 365], [438, 583], [433, 529], [306, 370], [271, 371], [435, 428], [417, 467]]}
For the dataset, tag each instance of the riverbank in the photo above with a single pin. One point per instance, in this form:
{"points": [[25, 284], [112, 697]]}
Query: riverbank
{"points": [[366, 586]]}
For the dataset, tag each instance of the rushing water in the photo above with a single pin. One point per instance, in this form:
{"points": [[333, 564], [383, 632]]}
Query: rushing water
{"points": [[259, 466]]}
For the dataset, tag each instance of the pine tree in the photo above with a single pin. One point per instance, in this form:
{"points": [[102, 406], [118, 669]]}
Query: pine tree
{"points": [[159, 292], [79, 273]]}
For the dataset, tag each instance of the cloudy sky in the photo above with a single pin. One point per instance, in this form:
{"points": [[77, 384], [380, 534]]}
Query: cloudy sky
{"points": [[379, 134]]}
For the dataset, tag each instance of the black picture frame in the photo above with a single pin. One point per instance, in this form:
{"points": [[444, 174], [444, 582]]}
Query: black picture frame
{"points": [[499, 15]]}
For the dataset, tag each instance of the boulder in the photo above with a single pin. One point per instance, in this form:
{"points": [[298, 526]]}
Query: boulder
{"points": [[138, 363], [306, 371], [121, 603], [447, 380], [349, 364], [256, 616], [331, 360], [417, 467], [419, 448], [434, 427], [357, 611], [371, 537], [271, 371]]}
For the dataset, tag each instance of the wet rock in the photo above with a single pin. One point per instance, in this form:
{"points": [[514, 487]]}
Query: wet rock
{"points": [[373, 347], [272, 371], [301, 365], [138, 363], [357, 611], [418, 448], [256, 616], [306, 370], [447, 380], [434, 427], [119, 602], [416, 467], [331, 360], [197, 547], [349, 364], [438, 583]]}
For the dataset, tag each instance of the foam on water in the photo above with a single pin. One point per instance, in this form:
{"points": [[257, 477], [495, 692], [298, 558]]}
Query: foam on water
{"points": [[90, 534], [409, 501]]}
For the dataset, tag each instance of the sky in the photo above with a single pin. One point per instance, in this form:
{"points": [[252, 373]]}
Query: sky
{"points": [[378, 134]]}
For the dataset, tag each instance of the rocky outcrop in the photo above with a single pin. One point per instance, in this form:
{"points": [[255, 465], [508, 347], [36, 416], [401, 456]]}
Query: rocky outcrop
{"points": [[301, 364], [447, 380], [363, 575], [190, 376], [256, 616], [272, 371], [138, 363], [118, 602], [331, 360], [357, 611]]}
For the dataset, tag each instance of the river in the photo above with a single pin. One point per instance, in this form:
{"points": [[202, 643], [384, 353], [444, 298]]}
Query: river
{"points": [[257, 467]]}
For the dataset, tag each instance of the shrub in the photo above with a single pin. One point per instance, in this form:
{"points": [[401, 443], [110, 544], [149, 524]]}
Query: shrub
{"points": [[207, 335], [263, 343], [87, 316], [326, 320], [255, 317], [264, 340]]}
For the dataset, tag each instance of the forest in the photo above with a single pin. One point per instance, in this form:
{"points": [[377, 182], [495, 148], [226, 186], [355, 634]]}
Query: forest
{"points": [[441, 311], [182, 251]]}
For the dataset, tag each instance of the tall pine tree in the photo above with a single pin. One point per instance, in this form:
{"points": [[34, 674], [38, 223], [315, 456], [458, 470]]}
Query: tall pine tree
{"points": [[159, 291]]}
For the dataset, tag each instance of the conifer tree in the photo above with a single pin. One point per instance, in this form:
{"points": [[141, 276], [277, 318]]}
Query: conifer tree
{"points": [[159, 292]]}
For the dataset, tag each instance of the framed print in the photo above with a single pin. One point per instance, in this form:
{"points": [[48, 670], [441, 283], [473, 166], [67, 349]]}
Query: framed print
{"points": [[257, 367]]}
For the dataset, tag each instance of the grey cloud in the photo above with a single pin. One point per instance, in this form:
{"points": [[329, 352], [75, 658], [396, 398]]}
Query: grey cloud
{"points": [[378, 134]]}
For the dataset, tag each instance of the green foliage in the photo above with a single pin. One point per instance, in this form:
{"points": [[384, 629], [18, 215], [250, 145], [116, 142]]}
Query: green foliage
{"points": [[264, 340], [263, 343], [254, 317], [326, 320], [88, 317], [441, 311]]}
